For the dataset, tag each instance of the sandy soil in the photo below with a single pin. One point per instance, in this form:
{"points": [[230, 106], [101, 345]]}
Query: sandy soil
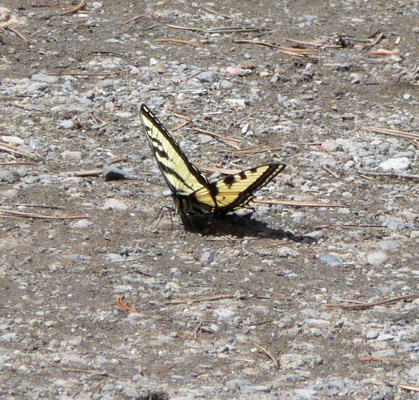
{"points": [[241, 311]]}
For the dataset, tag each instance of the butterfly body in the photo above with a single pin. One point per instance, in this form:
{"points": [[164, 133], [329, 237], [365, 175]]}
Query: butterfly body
{"points": [[192, 193]]}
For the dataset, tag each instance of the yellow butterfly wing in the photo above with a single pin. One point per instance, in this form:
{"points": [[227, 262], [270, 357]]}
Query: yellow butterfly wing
{"points": [[182, 177], [234, 191], [192, 193]]}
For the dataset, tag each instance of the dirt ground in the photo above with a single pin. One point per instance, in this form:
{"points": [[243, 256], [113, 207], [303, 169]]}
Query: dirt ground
{"points": [[241, 311]]}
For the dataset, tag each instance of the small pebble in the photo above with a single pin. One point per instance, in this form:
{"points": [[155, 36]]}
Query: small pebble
{"points": [[333, 260], [112, 173], [71, 155], [377, 258], [114, 204], [396, 164]]}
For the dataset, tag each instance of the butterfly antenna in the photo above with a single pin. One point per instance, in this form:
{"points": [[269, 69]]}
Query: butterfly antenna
{"points": [[161, 215]]}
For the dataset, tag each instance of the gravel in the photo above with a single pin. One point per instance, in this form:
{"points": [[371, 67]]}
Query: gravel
{"points": [[124, 303]]}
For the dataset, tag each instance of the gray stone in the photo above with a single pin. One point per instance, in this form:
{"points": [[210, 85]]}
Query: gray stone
{"points": [[114, 257], [304, 393], [124, 114], [330, 145], [387, 245], [396, 164], [82, 224], [44, 78], [372, 334], [8, 337], [6, 176], [114, 204], [394, 224], [315, 234], [66, 124], [384, 337], [237, 102], [316, 322], [203, 139], [13, 140], [257, 388], [207, 257], [37, 87], [112, 173], [333, 260], [71, 155], [222, 314], [291, 361], [11, 193], [414, 373], [384, 353], [377, 258], [206, 76]]}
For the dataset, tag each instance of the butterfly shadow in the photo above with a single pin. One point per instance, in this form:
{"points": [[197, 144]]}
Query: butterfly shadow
{"points": [[238, 226]]}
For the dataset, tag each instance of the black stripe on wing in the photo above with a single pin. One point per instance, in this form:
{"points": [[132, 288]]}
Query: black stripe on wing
{"points": [[176, 165], [235, 191]]}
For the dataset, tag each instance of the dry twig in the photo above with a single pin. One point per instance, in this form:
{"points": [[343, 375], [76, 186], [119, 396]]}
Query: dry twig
{"points": [[397, 41], [75, 9], [85, 371], [17, 151], [383, 52], [134, 19], [319, 44], [334, 174], [176, 41], [87, 73], [86, 173], [233, 30], [257, 149], [275, 361], [410, 388], [124, 306], [180, 126], [16, 214], [165, 369], [195, 333], [228, 140], [224, 171], [389, 174], [215, 12], [349, 226], [404, 4], [199, 300], [371, 358], [15, 31], [361, 305], [391, 132], [283, 50], [18, 163], [41, 206], [184, 28], [185, 117], [379, 34], [292, 203]]}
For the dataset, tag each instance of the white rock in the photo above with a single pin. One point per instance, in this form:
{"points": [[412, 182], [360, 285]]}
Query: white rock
{"points": [[81, 224], [237, 102], [71, 155], [414, 373], [44, 78], [330, 145], [113, 204], [377, 258], [67, 124], [224, 313], [13, 140], [397, 164]]}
